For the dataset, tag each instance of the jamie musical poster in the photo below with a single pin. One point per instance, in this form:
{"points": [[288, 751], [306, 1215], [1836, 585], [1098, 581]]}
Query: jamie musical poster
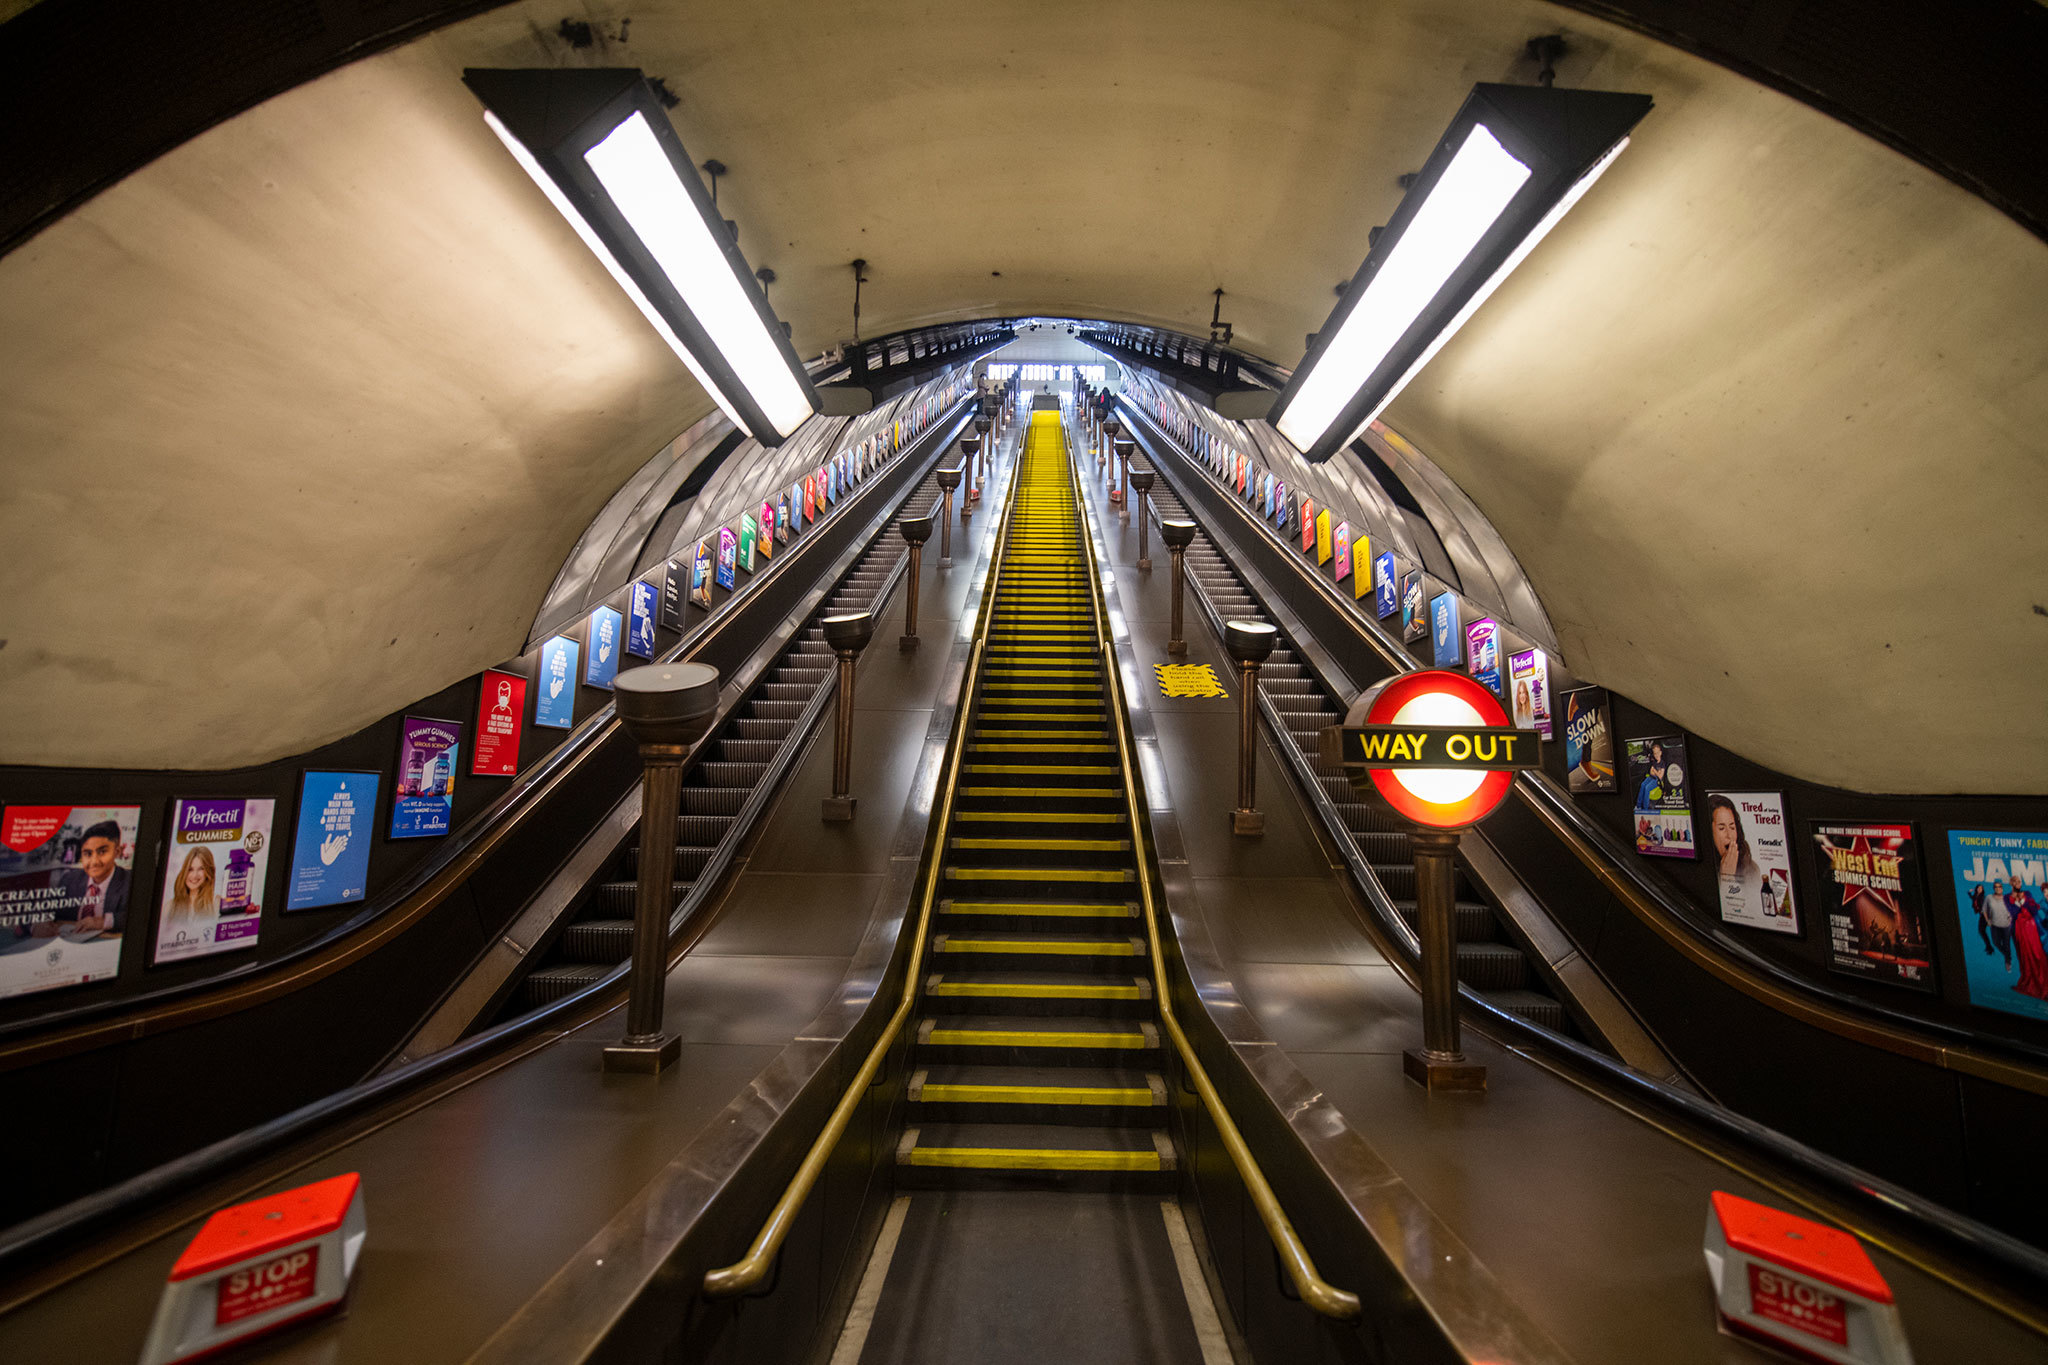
{"points": [[500, 717], [64, 894], [2001, 879], [1662, 815], [1750, 843], [215, 867], [423, 806], [1588, 739], [331, 841], [1869, 879]]}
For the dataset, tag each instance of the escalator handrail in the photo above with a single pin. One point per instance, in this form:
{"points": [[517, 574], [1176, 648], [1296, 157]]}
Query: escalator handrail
{"points": [[404, 904], [1732, 962], [752, 1268], [1319, 1294]]}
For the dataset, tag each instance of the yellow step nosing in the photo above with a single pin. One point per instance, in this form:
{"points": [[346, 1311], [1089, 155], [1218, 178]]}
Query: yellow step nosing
{"points": [[1032, 991], [989, 1037], [1092, 1095], [1021, 947]]}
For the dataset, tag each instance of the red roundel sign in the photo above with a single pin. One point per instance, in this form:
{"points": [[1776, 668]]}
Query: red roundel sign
{"points": [[1438, 746]]}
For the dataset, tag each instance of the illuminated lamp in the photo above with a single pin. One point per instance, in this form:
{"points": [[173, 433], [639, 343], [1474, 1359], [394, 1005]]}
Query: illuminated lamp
{"points": [[1512, 163], [1439, 798], [600, 147]]}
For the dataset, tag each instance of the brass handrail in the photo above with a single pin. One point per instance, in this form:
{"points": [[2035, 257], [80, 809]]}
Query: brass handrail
{"points": [[1794, 1002], [1318, 1293], [751, 1268]]}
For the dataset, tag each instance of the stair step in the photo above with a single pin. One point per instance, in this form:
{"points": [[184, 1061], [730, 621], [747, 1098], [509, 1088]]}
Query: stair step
{"points": [[1075, 1033], [1036, 986], [1081, 1088], [1036, 1147]]}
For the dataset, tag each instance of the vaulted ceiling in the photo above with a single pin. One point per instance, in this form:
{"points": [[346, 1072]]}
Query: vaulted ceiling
{"points": [[300, 418]]}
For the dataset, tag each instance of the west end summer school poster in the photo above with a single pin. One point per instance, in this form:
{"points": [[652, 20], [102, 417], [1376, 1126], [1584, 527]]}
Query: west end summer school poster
{"points": [[1588, 739], [214, 871], [64, 878], [2002, 897], [1870, 888], [1663, 803], [331, 842], [1752, 853], [424, 804]]}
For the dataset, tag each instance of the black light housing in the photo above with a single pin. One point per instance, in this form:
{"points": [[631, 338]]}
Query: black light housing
{"points": [[600, 146], [1511, 164]]}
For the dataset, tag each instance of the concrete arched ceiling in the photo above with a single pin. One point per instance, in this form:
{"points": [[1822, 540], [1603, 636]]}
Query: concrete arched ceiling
{"points": [[300, 418]]}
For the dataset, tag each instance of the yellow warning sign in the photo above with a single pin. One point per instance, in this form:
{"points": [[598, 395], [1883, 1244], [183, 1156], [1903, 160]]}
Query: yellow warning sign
{"points": [[1188, 680]]}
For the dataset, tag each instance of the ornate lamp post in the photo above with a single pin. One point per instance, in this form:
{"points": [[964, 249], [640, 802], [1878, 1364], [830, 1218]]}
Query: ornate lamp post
{"points": [[1179, 535], [848, 635], [949, 479], [1141, 480], [1250, 643]]}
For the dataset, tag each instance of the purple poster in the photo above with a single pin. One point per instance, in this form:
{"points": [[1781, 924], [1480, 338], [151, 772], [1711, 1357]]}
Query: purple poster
{"points": [[1482, 652], [215, 868], [424, 802]]}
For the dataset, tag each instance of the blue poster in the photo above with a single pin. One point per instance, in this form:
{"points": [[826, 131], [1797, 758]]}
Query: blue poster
{"points": [[331, 848], [728, 557], [1277, 513], [1384, 599], [603, 663], [640, 620], [554, 695], [1444, 634], [796, 505], [2001, 880]]}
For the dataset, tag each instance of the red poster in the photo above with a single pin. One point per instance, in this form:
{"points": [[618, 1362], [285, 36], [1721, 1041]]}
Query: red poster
{"points": [[1308, 525], [500, 715], [810, 497]]}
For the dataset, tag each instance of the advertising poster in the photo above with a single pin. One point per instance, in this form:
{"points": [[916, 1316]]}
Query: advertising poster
{"points": [[750, 531], [700, 574], [65, 873], [554, 698], [1288, 515], [602, 662], [423, 805], [1482, 653], [1529, 687], [1308, 525], [1386, 599], [640, 619], [214, 870], [331, 842], [1325, 540], [1752, 852], [1869, 878], [782, 520], [1663, 803], [810, 498], [1277, 513], [1340, 543], [1414, 615], [728, 557], [500, 717], [1588, 739], [2001, 881], [1244, 473], [675, 587], [764, 539], [1361, 566], [1446, 637]]}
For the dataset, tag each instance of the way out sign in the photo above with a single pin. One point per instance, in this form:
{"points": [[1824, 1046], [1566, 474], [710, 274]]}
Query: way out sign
{"points": [[1437, 746]]}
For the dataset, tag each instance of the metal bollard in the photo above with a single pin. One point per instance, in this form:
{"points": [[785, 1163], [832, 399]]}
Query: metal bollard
{"points": [[1122, 477], [848, 635], [665, 708], [1250, 643], [949, 479], [916, 531], [1141, 481], [1179, 535], [1111, 429]]}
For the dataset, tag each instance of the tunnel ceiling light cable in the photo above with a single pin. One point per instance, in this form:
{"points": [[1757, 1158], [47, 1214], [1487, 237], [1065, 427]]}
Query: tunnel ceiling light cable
{"points": [[1512, 163], [601, 149]]}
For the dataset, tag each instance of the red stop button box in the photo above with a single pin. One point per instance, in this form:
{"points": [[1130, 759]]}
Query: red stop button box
{"points": [[1804, 1287], [260, 1266]]}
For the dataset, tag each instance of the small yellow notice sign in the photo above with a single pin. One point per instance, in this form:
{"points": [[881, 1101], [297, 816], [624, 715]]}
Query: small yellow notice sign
{"points": [[1188, 680]]}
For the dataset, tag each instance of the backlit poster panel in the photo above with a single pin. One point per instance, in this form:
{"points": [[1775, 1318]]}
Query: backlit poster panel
{"points": [[1386, 600], [215, 865], [65, 879], [728, 558], [700, 574], [1414, 614], [782, 520], [1662, 813], [2001, 883], [500, 719], [764, 539], [1446, 637], [750, 531], [1869, 878], [331, 841], [640, 619], [675, 589], [1750, 843], [423, 804], [1529, 689], [1308, 525], [1286, 519], [1361, 564], [1588, 739], [554, 697], [1482, 653], [601, 663], [810, 498], [1324, 537], [1277, 513], [1340, 542]]}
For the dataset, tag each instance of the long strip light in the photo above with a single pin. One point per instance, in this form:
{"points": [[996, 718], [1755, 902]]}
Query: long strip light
{"points": [[1512, 164], [605, 156]]}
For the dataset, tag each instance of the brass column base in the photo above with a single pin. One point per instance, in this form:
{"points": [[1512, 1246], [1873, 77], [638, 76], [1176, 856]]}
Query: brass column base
{"points": [[1176, 649], [1248, 822], [908, 644], [1145, 564], [643, 1059], [840, 808], [1435, 1073]]}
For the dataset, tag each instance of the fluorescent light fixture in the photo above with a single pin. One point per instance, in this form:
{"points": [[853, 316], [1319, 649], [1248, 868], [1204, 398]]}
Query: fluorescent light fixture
{"points": [[1513, 162], [605, 156]]}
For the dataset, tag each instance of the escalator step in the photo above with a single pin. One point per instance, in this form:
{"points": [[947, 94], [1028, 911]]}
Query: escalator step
{"points": [[1036, 1150], [1536, 1008], [1492, 967], [619, 900], [1037, 987], [548, 984], [1082, 1088], [609, 941], [724, 801], [1474, 922]]}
